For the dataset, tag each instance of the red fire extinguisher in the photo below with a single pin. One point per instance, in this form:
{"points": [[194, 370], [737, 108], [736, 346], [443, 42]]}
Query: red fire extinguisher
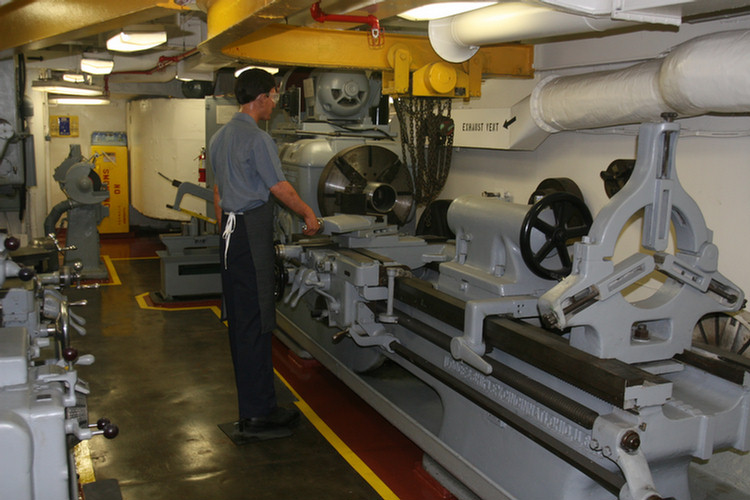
{"points": [[202, 165]]}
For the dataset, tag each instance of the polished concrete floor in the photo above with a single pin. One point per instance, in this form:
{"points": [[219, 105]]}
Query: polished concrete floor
{"points": [[164, 376]]}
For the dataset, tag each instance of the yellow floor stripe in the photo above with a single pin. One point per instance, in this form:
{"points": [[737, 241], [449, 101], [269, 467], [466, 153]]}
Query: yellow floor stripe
{"points": [[113, 277], [141, 300], [346, 453], [84, 464], [357, 464], [150, 257]]}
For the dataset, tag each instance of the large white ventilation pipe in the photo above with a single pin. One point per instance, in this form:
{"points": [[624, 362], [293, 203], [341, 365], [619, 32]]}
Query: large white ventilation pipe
{"points": [[704, 75], [457, 38]]}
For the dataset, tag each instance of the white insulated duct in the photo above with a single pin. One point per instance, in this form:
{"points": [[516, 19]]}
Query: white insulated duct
{"points": [[707, 74], [629, 95], [457, 38]]}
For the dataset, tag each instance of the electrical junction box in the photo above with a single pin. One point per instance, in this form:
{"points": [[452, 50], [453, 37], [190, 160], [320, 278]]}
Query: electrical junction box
{"points": [[111, 164]]}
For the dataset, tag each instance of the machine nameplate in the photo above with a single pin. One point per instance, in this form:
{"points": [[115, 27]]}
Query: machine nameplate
{"points": [[519, 404]]}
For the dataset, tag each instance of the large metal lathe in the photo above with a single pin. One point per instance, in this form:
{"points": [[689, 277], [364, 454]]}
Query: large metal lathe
{"points": [[514, 358]]}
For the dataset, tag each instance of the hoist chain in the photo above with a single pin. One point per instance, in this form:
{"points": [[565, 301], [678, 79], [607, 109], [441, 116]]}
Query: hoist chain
{"points": [[427, 136]]}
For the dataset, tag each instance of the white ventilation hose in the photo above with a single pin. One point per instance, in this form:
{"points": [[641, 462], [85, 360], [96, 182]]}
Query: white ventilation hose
{"points": [[707, 74]]}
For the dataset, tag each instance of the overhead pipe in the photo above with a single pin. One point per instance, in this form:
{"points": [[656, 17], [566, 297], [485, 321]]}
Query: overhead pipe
{"points": [[156, 73], [708, 74], [457, 38], [317, 13]]}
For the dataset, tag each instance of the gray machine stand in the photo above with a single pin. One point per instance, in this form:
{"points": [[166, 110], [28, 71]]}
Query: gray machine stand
{"points": [[190, 264], [85, 194]]}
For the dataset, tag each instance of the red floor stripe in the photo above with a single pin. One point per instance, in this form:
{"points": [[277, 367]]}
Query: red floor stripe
{"points": [[391, 455]]}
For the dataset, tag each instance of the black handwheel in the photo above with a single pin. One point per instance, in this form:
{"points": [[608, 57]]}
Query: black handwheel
{"points": [[280, 277], [571, 220]]}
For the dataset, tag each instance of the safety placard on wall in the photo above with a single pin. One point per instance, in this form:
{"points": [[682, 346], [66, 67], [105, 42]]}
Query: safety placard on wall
{"points": [[111, 163], [63, 126]]}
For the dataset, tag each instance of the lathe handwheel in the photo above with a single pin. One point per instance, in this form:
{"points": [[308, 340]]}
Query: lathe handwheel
{"points": [[571, 221], [280, 277]]}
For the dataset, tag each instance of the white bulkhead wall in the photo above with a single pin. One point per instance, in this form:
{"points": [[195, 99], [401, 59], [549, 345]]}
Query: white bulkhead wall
{"points": [[712, 158], [165, 136]]}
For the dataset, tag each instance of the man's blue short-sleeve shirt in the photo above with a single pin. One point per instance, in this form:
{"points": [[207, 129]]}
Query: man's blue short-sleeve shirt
{"points": [[245, 162]]}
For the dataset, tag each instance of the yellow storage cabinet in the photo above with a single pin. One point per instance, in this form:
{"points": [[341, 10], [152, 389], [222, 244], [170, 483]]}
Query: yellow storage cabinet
{"points": [[111, 164]]}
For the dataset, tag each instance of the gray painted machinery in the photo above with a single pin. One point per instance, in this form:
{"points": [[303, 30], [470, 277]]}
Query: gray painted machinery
{"points": [[513, 355], [43, 401], [336, 148], [85, 192], [190, 263]]}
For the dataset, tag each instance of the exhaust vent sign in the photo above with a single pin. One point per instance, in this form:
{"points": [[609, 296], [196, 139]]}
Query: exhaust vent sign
{"points": [[482, 128]]}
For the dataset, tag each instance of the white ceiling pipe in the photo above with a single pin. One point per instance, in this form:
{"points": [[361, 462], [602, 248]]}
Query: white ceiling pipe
{"points": [[708, 74], [704, 75], [599, 99], [457, 38]]}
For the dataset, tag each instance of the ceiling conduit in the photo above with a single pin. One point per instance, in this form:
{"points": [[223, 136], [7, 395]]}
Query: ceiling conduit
{"points": [[707, 74], [457, 38]]}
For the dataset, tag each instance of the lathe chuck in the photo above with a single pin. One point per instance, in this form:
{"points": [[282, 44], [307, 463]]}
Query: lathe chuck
{"points": [[366, 180]]}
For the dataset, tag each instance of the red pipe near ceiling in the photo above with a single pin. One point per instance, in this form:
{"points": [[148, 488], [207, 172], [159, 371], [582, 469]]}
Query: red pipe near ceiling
{"points": [[322, 17], [164, 61]]}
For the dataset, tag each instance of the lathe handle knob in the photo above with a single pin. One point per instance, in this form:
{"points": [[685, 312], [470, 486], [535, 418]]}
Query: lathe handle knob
{"points": [[26, 273], [70, 353], [110, 431], [106, 428], [12, 243]]}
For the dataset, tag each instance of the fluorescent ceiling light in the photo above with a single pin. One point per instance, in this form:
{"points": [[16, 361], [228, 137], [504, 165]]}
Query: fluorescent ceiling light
{"points": [[271, 70], [97, 66], [73, 78], [61, 87], [442, 9], [134, 41], [79, 100]]}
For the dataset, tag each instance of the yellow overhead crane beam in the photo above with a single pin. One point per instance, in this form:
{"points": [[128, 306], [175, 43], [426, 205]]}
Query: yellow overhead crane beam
{"points": [[229, 20], [399, 58], [34, 24]]}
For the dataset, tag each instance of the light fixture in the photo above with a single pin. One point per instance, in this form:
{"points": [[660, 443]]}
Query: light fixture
{"points": [[96, 65], [134, 41], [441, 9], [271, 70], [87, 101], [74, 78], [66, 88]]}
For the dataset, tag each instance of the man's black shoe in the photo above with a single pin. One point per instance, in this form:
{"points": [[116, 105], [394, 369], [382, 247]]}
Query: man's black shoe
{"points": [[279, 417]]}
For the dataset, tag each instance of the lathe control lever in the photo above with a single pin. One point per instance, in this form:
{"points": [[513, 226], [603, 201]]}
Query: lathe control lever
{"points": [[103, 425], [56, 242], [105, 428]]}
